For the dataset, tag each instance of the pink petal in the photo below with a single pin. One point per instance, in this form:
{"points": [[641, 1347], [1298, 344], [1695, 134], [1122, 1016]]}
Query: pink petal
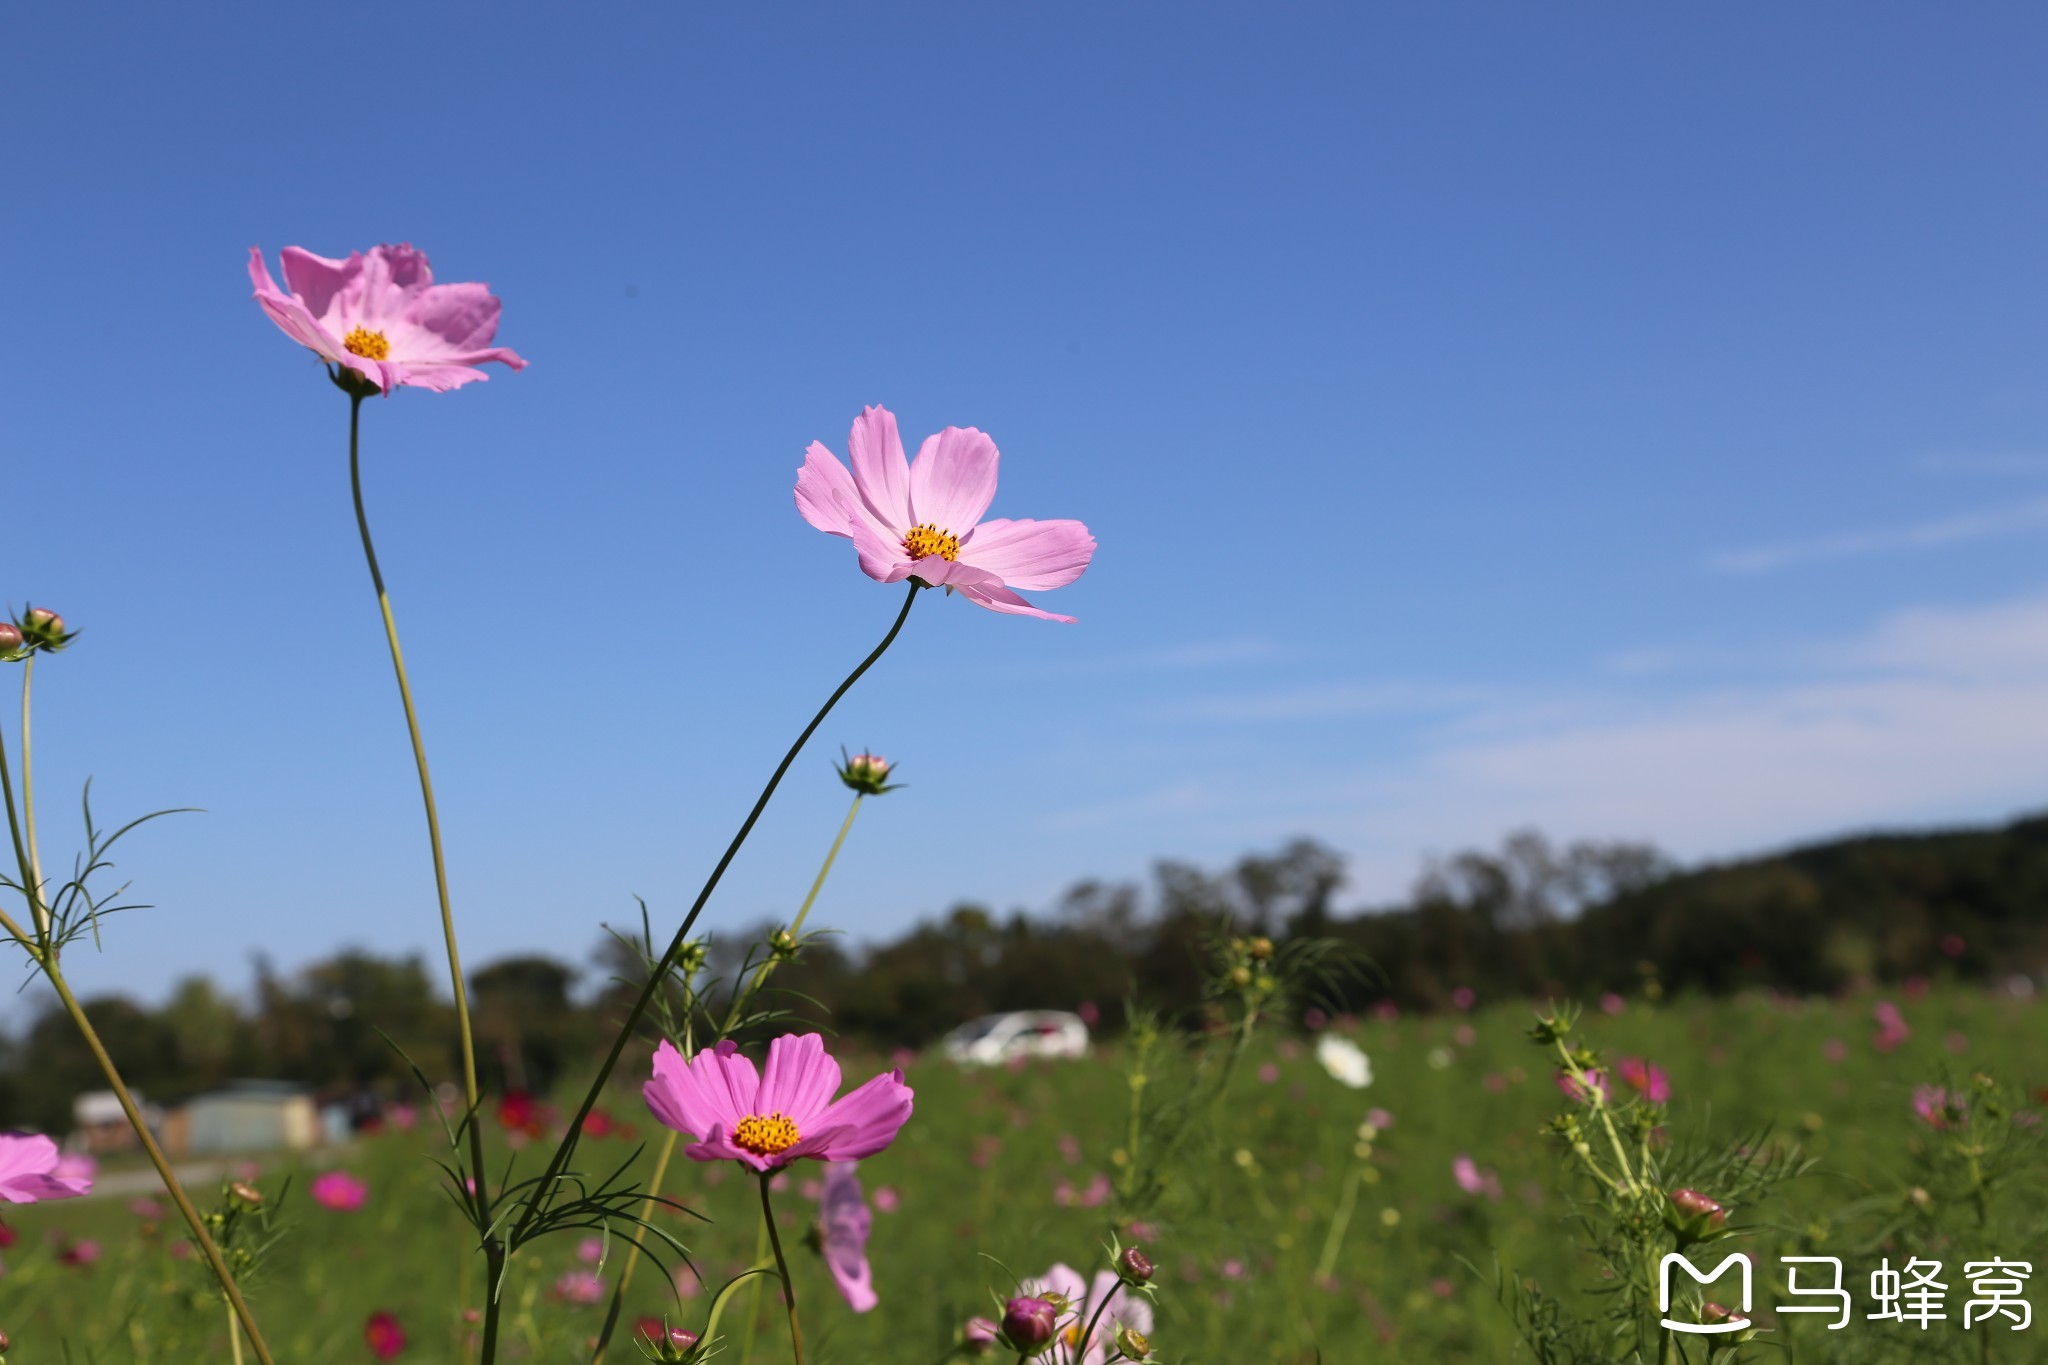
{"points": [[392, 277], [1031, 555], [953, 480], [938, 573], [827, 498], [461, 317], [717, 1146], [879, 469], [289, 313], [1125, 1310], [431, 376], [322, 284], [872, 1114], [996, 597], [800, 1079], [714, 1089], [1062, 1279]]}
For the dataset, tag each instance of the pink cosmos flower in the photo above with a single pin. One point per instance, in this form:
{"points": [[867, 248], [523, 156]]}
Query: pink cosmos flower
{"points": [[1937, 1108], [32, 1169], [381, 315], [1569, 1084], [580, 1287], [922, 521], [769, 1118], [887, 1200], [844, 1221], [1646, 1080], [384, 1336], [1472, 1180], [1125, 1310], [340, 1191]]}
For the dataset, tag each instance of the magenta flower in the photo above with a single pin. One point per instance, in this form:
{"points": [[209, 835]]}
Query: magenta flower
{"points": [[1472, 1180], [1937, 1108], [1569, 1084], [922, 521], [767, 1119], [580, 1287], [340, 1191], [844, 1221], [1645, 1079], [32, 1169], [1125, 1310], [381, 315], [383, 1335]]}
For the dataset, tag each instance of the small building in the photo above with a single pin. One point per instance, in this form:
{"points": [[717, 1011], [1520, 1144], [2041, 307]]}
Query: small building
{"points": [[244, 1116], [103, 1124]]}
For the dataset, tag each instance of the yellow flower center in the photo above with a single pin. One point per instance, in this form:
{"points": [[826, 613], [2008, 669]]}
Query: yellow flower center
{"points": [[367, 344], [927, 539], [766, 1134]]}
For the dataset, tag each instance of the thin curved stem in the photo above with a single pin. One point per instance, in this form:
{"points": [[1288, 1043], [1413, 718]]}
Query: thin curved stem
{"points": [[419, 754], [32, 867], [560, 1160], [1089, 1335], [796, 1333]]}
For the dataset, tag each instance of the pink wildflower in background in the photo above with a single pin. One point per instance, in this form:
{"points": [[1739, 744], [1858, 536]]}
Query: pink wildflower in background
{"points": [[1464, 997], [1835, 1051], [1937, 1108], [1474, 1181], [1380, 1119], [80, 1253], [145, 1208], [32, 1169], [590, 1250], [1573, 1090], [767, 1119], [384, 1336], [339, 1190], [1612, 1004], [923, 521], [1891, 1026], [1646, 1080], [381, 315], [886, 1199], [844, 1223], [581, 1287]]}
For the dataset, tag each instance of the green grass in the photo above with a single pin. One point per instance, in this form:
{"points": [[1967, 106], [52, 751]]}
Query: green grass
{"points": [[977, 1169]]}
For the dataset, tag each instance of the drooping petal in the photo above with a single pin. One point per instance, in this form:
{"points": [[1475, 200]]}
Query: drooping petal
{"points": [[846, 1222], [459, 317], [433, 376], [871, 1116], [799, 1081], [879, 469], [1030, 555], [29, 1171], [953, 480], [289, 313], [938, 573], [714, 1089], [996, 597], [717, 1146]]}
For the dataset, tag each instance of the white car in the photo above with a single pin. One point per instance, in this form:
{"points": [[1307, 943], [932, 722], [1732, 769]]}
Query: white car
{"points": [[997, 1038]]}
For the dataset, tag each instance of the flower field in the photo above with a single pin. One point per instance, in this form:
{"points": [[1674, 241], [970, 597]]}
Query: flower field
{"points": [[1025, 1164]]}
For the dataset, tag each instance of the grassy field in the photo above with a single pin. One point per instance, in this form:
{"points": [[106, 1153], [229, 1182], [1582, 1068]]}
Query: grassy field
{"points": [[1011, 1165]]}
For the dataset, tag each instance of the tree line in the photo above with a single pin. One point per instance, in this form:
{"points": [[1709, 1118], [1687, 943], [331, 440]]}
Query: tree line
{"points": [[1529, 919]]}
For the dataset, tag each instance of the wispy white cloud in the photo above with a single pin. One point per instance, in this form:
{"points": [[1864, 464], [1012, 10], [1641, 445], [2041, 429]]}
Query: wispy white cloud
{"points": [[1318, 702], [1959, 529], [1932, 714]]}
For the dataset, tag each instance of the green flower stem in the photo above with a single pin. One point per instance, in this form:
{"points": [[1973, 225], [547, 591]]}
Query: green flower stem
{"points": [[1596, 1097], [559, 1162], [767, 967], [761, 1253], [796, 1333], [668, 1144], [1340, 1222], [1089, 1335], [44, 951], [32, 868], [482, 1196]]}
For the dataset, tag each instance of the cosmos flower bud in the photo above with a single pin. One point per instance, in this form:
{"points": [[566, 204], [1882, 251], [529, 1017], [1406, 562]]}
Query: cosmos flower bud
{"points": [[782, 944], [11, 642], [1262, 947], [1134, 1266], [1693, 1216], [43, 629], [1030, 1324], [246, 1192], [1132, 1343], [1240, 977], [867, 774]]}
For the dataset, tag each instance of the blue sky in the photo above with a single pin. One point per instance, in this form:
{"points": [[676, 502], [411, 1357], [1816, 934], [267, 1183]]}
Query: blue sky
{"points": [[1632, 423]]}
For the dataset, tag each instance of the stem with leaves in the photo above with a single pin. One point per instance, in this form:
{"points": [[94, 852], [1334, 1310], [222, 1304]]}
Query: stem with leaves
{"points": [[44, 949]]}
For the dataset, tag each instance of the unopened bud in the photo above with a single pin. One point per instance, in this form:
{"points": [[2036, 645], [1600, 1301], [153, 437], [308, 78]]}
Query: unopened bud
{"points": [[1132, 1343], [246, 1192], [1920, 1197], [1029, 1324], [782, 943], [11, 645], [1240, 977], [43, 629], [1696, 1205], [1262, 947], [679, 1344], [1134, 1266], [867, 774]]}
